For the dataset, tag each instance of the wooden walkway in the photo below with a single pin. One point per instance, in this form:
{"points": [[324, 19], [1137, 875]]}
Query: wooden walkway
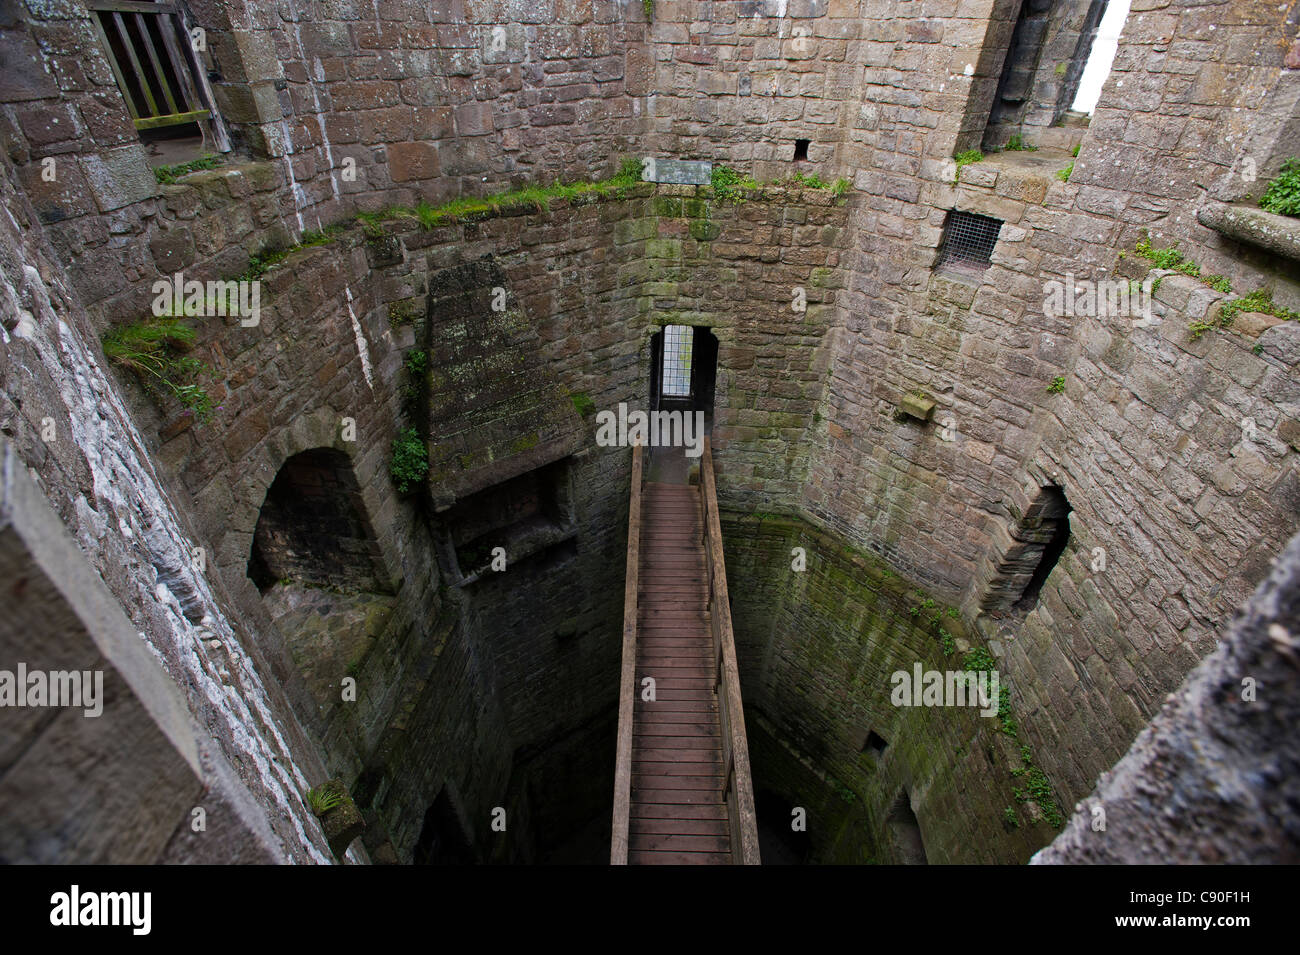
{"points": [[678, 812], [682, 788]]}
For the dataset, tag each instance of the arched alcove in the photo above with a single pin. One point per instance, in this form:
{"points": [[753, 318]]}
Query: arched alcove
{"points": [[1036, 543], [442, 838], [313, 528], [905, 832], [317, 564]]}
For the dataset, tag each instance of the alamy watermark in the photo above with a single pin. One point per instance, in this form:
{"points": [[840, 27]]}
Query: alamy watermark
{"points": [[178, 296], [76, 908], [655, 429], [74, 688], [946, 688], [1080, 298]]}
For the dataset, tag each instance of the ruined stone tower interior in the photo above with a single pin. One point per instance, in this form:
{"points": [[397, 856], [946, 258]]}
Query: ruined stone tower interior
{"points": [[327, 325]]}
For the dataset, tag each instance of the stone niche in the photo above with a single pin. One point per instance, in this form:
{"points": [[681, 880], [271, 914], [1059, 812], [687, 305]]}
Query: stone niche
{"points": [[313, 528], [526, 515]]}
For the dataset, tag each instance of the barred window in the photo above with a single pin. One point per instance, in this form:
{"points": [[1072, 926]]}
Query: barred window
{"points": [[677, 361], [156, 68], [968, 241]]}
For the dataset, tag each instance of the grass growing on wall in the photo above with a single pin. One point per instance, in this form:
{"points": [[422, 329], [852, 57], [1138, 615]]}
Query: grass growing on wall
{"points": [[933, 614], [729, 185], [1260, 300], [261, 262], [1171, 257], [965, 159], [323, 798], [156, 351], [169, 174], [537, 198]]}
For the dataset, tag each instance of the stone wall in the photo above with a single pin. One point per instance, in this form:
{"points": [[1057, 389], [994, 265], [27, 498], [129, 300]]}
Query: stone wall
{"points": [[1147, 441], [817, 650], [350, 104], [324, 368], [1176, 454], [1221, 751], [68, 425]]}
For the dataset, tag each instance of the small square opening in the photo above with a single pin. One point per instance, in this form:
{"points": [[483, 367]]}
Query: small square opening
{"points": [[801, 149], [968, 241], [874, 743]]}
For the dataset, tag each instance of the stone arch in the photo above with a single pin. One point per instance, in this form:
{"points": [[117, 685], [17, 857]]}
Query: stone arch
{"points": [[322, 428], [313, 527], [1027, 552], [905, 831]]}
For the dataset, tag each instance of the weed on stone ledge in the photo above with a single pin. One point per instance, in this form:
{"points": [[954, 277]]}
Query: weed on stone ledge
{"points": [[729, 185], [261, 262], [167, 175], [965, 159], [535, 197], [323, 798]]}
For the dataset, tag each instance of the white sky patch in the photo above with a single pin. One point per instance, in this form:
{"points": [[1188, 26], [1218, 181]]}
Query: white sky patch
{"points": [[1102, 56]]}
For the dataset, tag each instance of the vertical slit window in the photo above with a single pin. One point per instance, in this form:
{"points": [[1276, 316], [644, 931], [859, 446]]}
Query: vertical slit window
{"points": [[1102, 56]]}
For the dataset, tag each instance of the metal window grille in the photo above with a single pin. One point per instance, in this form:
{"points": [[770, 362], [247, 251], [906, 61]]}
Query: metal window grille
{"points": [[677, 361], [152, 62], [968, 241]]}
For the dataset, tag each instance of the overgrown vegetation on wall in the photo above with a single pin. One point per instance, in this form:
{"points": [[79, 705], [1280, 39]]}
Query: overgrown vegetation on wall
{"points": [[169, 174], [409, 462], [1283, 193], [157, 350], [729, 185], [537, 198], [261, 262]]}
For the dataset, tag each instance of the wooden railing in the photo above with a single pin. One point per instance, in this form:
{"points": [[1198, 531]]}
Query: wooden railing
{"points": [[738, 786], [627, 682]]}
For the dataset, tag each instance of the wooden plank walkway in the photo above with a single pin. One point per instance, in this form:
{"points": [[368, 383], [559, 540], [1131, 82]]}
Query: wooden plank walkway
{"points": [[678, 815]]}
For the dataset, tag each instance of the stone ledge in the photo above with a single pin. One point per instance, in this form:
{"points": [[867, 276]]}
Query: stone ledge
{"points": [[1278, 234]]}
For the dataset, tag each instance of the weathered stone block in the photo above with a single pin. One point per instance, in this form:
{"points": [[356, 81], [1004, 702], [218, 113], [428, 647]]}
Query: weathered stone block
{"points": [[917, 406], [119, 177], [413, 161], [172, 250], [23, 75]]}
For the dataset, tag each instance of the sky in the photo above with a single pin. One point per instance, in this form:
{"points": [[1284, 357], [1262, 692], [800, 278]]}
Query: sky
{"points": [[1102, 56]]}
